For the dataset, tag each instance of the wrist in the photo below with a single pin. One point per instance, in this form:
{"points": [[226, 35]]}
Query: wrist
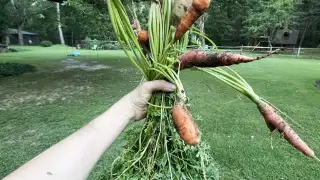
{"points": [[119, 114], [129, 107]]}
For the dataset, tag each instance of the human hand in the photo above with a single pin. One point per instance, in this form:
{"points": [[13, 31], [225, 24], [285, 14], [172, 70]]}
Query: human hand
{"points": [[141, 95]]}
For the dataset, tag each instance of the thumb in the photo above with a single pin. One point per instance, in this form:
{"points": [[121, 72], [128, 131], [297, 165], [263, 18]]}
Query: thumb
{"points": [[158, 85]]}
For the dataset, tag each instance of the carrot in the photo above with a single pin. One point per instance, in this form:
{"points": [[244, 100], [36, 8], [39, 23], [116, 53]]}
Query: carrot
{"points": [[269, 115], [293, 138], [274, 121], [186, 127], [143, 36], [196, 10], [198, 58], [179, 9]]}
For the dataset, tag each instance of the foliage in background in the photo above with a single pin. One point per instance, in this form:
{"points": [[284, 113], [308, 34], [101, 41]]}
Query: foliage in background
{"points": [[240, 22], [45, 43], [266, 17], [87, 18], [224, 21], [89, 43], [3, 18], [308, 20], [19, 12], [79, 18], [141, 7], [233, 22], [13, 50], [15, 69]]}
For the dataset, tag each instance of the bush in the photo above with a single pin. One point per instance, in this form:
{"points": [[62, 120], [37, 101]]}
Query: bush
{"points": [[88, 43], [45, 43], [13, 50], [110, 45], [15, 69]]}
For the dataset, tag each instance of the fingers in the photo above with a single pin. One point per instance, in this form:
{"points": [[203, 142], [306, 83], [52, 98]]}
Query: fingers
{"points": [[158, 85]]}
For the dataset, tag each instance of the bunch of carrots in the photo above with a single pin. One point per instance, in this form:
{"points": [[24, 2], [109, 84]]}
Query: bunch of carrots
{"points": [[169, 144]]}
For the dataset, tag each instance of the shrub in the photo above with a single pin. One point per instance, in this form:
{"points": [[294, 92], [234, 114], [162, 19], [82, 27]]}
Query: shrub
{"points": [[110, 45], [15, 69], [45, 43], [88, 43], [13, 50]]}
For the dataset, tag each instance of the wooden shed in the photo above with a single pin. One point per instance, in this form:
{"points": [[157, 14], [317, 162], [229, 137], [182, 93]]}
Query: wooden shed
{"points": [[11, 36], [283, 39], [286, 38]]}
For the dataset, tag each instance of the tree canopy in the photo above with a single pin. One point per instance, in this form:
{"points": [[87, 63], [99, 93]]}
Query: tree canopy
{"points": [[231, 22]]}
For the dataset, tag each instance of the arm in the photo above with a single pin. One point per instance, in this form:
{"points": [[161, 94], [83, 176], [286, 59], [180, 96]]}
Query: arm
{"points": [[75, 156]]}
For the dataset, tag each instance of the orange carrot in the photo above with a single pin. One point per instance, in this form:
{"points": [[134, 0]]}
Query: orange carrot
{"points": [[143, 36], [274, 121], [293, 138], [269, 115], [196, 10], [198, 58], [186, 127]]}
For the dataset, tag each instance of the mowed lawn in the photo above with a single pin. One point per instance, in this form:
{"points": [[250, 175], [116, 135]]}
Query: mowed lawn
{"points": [[39, 109]]}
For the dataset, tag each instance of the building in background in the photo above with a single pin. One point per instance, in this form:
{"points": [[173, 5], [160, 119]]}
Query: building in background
{"points": [[285, 38], [10, 37]]}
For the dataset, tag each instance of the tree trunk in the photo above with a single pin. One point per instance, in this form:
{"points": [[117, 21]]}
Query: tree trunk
{"points": [[59, 25], [303, 35], [314, 21], [7, 40], [201, 27], [20, 34], [314, 33]]}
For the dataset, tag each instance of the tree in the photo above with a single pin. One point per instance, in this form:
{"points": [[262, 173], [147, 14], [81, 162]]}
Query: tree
{"points": [[59, 24], [78, 18], [267, 16], [93, 18], [20, 11], [308, 14], [3, 18], [225, 21]]}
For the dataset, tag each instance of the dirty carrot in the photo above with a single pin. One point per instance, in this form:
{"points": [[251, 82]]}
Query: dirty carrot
{"points": [[143, 36], [184, 124], [196, 10], [274, 121], [198, 58], [269, 115]]}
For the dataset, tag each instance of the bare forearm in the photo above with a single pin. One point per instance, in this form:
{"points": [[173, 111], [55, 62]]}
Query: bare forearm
{"points": [[75, 156]]}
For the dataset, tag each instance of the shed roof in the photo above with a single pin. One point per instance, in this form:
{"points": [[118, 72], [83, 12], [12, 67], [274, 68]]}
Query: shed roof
{"points": [[286, 37], [15, 31]]}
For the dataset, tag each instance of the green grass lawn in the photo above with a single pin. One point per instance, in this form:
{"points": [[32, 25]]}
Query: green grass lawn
{"points": [[39, 109]]}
